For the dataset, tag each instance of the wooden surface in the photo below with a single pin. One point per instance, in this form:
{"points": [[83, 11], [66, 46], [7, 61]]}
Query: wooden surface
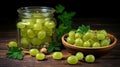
{"points": [[112, 59]]}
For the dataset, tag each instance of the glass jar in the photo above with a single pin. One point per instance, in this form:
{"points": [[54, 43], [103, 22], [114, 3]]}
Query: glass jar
{"points": [[36, 26]]}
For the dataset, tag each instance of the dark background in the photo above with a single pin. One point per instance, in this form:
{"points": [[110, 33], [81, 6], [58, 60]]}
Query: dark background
{"points": [[98, 11]]}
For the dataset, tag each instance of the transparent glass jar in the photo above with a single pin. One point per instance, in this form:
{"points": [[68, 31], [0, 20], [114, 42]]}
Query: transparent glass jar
{"points": [[36, 26]]}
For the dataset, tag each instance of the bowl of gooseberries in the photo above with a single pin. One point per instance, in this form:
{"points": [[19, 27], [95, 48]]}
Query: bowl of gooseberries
{"points": [[83, 39]]}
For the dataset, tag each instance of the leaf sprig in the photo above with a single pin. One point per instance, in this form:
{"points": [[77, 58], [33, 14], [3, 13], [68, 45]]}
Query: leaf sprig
{"points": [[54, 46], [83, 29], [59, 8], [65, 25], [14, 53], [65, 21]]}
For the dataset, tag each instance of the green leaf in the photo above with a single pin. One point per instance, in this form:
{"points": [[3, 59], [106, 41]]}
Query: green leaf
{"points": [[57, 48], [83, 29], [50, 48], [67, 15], [9, 55], [65, 25], [59, 8], [20, 56], [14, 53], [53, 46]]}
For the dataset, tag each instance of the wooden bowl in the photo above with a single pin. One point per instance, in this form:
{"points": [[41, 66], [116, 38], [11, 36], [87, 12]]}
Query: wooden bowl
{"points": [[99, 51]]}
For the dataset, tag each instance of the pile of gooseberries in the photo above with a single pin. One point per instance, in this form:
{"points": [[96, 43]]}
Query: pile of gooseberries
{"points": [[92, 38], [72, 59], [35, 53], [36, 30]]}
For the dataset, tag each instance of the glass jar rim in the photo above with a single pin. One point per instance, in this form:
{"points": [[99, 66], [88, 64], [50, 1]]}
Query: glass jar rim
{"points": [[31, 9]]}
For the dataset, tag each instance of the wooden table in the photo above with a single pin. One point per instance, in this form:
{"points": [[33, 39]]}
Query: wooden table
{"points": [[112, 59]]}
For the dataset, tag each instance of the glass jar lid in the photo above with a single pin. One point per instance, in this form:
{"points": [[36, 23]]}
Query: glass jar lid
{"points": [[31, 9], [42, 10]]}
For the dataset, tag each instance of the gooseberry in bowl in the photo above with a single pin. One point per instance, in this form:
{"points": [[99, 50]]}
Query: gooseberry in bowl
{"points": [[96, 42]]}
